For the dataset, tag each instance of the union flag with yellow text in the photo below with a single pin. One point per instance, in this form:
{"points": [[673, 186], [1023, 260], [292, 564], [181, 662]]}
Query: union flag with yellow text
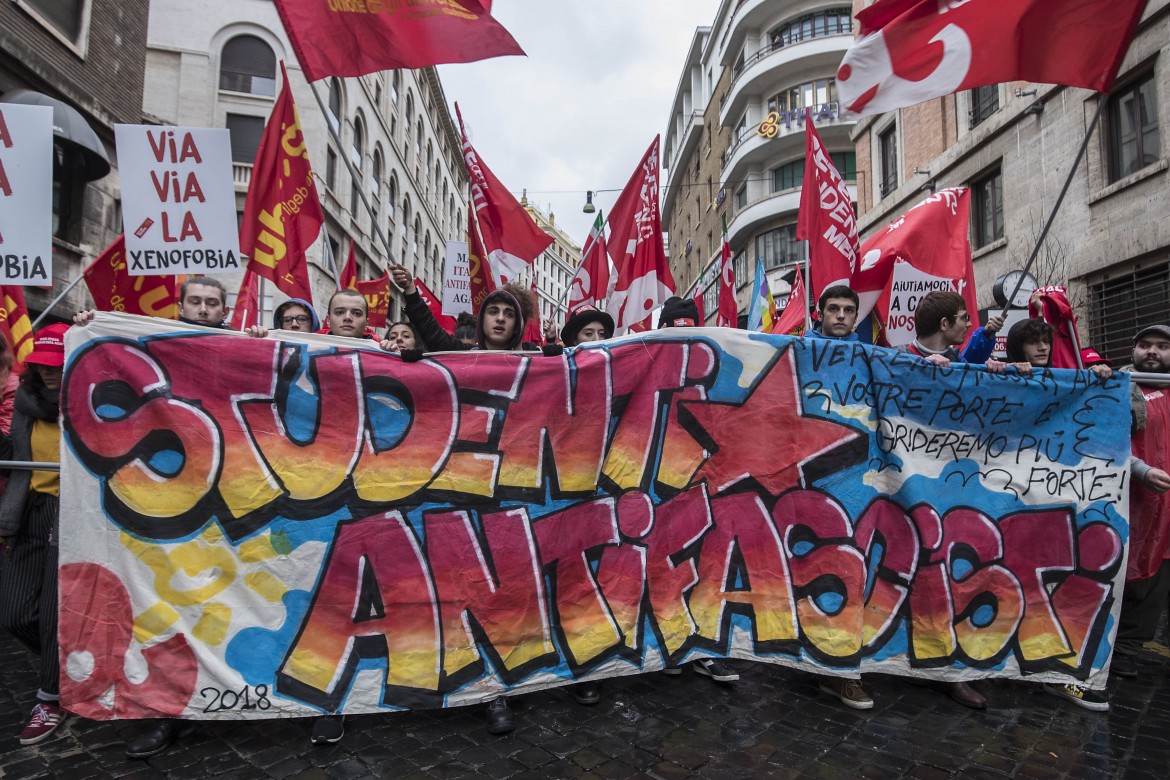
{"points": [[114, 289]]}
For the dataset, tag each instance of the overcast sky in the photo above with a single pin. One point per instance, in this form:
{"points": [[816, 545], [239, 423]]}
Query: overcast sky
{"points": [[580, 110]]}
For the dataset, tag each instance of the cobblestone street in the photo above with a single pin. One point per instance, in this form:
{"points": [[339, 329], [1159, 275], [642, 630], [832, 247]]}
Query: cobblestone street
{"points": [[773, 723]]}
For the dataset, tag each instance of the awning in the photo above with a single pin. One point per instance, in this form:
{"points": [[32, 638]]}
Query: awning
{"points": [[72, 132]]}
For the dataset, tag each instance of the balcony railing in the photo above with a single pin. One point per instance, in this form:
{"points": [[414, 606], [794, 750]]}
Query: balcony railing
{"points": [[779, 123], [768, 51], [241, 174]]}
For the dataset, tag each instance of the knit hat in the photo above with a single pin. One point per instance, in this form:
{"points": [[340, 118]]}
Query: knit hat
{"points": [[49, 346], [582, 316], [679, 313]]}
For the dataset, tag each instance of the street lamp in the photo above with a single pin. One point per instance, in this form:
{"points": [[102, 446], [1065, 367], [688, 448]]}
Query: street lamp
{"points": [[589, 207]]}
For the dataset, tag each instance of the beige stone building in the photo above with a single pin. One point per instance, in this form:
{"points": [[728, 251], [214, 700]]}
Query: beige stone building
{"points": [[1013, 145], [758, 59], [555, 267]]}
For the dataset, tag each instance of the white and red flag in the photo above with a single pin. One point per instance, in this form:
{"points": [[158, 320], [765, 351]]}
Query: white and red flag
{"points": [[910, 51], [826, 218], [355, 38], [925, 249], [1054, 307], [591, 283], [700, 306], [246, 312], [794, 318], [644, 281], [728, 306], [511, 239]]}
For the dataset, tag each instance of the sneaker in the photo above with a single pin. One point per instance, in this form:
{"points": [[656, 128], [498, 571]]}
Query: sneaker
{"points": [[849, 692], [328, 729], [42, 722], [709, 667], [1096, 701], [1124, 665], [499, 716]]}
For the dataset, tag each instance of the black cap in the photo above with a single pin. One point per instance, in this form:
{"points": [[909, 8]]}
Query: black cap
{"points": [[679, 313], [582, 316]]}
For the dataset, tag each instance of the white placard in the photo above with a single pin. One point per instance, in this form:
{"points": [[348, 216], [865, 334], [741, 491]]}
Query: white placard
{"points": [[26, 194], [907, 288], [178, 201], [456, 281]]}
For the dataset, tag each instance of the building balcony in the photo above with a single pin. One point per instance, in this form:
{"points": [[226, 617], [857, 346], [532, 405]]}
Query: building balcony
{"points": [[241, 176], [778, 67], [688, 143], [753, 150], [766, 209], [747, 15]]}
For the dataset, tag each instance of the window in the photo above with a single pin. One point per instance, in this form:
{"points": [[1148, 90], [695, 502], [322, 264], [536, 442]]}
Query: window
{"points": [[391, 199], [835, 21], [1129, 296], [67, 17], [395, 82], [376, 179], [741, 274], [888, 159], [984, 103], [1133, 128], [245, 132], [846, 164], [414, 237], [812, 94], [741, 198], [333, 114], [331, 168], [987, 221], [247, 64], [788, 176], [779, 247], [357, 149]]}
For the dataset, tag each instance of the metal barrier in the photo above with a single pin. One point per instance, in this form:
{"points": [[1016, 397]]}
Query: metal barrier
{"points": [[28, 465]]}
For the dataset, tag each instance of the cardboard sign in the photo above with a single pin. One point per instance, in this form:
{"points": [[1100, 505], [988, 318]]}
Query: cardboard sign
{"points": [[907, 287], [319, 526], [26, 194], [456, 282], [178, 200]]}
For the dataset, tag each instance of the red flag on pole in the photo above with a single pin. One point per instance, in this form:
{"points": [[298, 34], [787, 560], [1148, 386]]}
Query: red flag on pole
{"points": [[246, 312], [1056, 310], [700, 306], [436, 306], [479, 281], [792, 320], [925, 249], [377, 295], [511, 239], [282, 215], [591, 283], [113, 289], [348, 278], [728, 306], [15, 325], [826, 219], [644, 281], [532, 329], [914, 50], [353, 39]]}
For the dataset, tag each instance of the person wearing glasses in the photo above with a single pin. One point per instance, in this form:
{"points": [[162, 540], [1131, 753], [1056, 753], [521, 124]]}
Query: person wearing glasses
{"points": [[296, 314], [941, 322]]}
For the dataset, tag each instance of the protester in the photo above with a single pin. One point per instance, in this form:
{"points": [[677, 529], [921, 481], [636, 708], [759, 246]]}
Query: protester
{"points": [[402, 336], [296, 314], [941, 323], [347, 315], [465, 328], [202, 301], [837, 310], [9, 381], [1029, 345], [679, 313], [585, 324], [29, 525]]}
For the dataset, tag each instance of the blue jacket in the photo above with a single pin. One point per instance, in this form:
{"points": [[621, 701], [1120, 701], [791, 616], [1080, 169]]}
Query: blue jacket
{"points": [[816, 333]]}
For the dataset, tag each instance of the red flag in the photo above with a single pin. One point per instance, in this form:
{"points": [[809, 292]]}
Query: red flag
{"points": [[914, 50], [700, 306], [113, 289], [377, 295], [644, 281], [591, 283], [1058, 312], [356, 38], [532, 329], [15, 325], [923, 250], [447, 322], [479, 281], [728, 316], [511, 239], [282, 215], [795, 315], [246, 312], [826, 219], [348, 278]]}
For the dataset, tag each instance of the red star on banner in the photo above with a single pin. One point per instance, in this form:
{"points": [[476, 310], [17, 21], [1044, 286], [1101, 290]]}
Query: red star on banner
{"points": [[767, 437]]}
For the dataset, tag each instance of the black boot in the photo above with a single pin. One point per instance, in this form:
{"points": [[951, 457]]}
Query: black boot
{"points": [[155, 740], [499, 717]]}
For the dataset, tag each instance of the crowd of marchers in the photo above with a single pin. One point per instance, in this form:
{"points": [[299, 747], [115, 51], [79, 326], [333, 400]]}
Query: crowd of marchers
{"points": [[29, 419]]}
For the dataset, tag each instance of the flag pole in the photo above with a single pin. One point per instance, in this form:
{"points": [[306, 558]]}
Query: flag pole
{"points": [[807, 289], [259, 299], [354, 175], [562, 303], [1059, 200], [56, 300]]}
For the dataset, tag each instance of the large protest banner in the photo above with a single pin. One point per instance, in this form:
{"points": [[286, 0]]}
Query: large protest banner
{"points": [[258, 528]]}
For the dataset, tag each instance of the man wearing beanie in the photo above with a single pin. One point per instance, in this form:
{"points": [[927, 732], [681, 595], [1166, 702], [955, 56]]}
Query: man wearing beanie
{"points": [[679, 313]]}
